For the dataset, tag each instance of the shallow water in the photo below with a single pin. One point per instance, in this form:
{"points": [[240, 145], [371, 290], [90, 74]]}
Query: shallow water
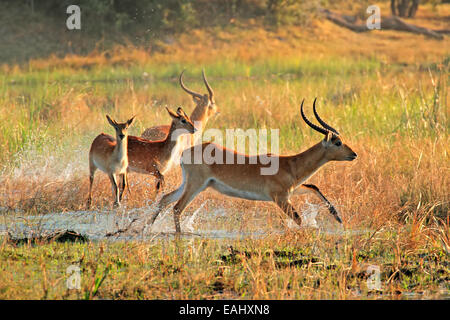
{"points": [[96, 225]]}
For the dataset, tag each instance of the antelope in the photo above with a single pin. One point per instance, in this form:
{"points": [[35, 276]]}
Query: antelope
{"points": [[245, 181], [155, 157], [205, 109], [110, 156]]}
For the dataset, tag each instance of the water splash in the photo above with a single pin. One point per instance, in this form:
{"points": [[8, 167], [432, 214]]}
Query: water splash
{"points": [[310, 214], [50, 160], [134, 224], [188, 222]]}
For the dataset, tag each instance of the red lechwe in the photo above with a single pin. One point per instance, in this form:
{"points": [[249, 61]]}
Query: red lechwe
{"points": [[205, 109], [155, 157], [110, 156], [246, 181]]}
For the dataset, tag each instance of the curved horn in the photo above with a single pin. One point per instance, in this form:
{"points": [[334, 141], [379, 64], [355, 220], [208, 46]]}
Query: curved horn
{"points": [[195, 94], [210, 90], [323, 123], [309, 123]]}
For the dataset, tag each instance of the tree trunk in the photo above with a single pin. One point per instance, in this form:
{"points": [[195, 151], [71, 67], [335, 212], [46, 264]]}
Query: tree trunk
{"points": [[387, 23], [393, 9], [404, 8], [413, 9]]}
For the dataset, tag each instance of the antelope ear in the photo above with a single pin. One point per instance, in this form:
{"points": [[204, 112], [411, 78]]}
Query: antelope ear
{"points": [[172, 114], [328, 136], [111, 122], [129, 122], [196, 99]]}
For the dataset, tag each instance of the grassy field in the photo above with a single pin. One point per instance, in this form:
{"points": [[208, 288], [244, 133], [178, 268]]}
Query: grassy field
{"points": [[386, 92]]}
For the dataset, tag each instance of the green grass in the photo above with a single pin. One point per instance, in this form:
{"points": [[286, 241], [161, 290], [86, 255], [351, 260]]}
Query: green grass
{"points": [[278, 66], [356, 103], [206, 269]]}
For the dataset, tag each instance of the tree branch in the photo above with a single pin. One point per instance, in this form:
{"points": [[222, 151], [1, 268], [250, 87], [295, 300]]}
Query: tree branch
{"points": [[388, 23]]}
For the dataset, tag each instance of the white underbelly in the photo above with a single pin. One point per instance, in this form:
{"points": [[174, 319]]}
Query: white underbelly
{"points": [[237, 192], [100, 166], [119, 168]]}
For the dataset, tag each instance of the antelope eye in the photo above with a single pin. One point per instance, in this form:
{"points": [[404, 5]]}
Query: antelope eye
{"points": [[338, 144], [183, 121]]}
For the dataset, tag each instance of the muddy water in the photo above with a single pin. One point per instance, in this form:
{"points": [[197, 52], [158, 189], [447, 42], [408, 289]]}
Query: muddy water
{"points": [[99, 225], [132, 224]]}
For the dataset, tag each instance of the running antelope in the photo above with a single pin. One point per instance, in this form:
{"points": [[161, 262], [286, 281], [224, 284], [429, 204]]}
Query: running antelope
{"points": [[246, 181], [205, 109], [110, 156], [155, 157]]}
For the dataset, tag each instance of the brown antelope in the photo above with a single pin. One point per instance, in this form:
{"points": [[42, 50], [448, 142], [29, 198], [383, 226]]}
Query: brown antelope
{"points": [[110, 156], [205, 109], [155, 157], [246, 181]]}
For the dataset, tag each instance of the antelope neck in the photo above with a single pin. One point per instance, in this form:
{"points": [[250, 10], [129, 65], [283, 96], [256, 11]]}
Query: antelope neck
{"points": [[306, 163], [121, 146], [172, 137], [199, 114]]}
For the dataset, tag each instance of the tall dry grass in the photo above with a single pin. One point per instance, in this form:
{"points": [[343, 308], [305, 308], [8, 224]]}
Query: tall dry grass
{"points": [[399, 131]]}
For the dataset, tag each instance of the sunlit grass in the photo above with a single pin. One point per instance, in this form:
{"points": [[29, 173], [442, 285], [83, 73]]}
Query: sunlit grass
{"points": [[292, 266]]}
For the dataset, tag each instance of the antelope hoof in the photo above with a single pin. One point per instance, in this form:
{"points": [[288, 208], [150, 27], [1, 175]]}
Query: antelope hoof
{"points": [[335, 214]]}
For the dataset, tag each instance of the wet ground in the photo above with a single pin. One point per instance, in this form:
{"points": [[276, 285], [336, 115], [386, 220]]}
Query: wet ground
{"points": [[132, 224]]}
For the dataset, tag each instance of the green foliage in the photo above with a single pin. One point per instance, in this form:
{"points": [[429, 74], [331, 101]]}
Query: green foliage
{"points": [[288, 12], [158, 16]]}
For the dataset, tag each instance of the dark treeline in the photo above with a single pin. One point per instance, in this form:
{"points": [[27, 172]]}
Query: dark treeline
{"points": [[163, 16], [104, 23], [158, 16]]}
